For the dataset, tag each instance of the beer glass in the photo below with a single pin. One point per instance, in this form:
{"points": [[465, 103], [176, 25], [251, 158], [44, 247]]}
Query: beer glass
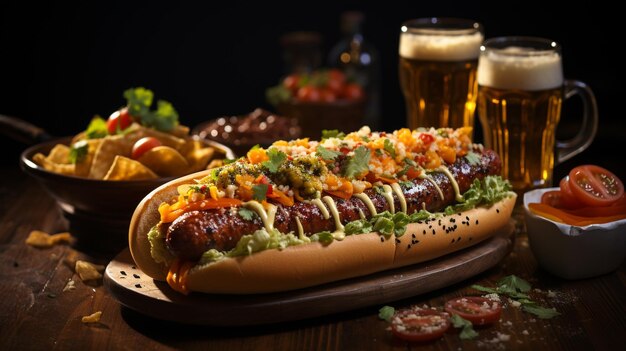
{"points": [[520, 93], [438, 59]]}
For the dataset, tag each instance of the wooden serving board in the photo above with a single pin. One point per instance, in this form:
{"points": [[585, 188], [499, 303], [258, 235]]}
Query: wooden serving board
{"points": [[156, 299]]}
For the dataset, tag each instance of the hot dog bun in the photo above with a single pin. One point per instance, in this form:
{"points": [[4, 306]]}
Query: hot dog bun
{"points": [[312, 264]]}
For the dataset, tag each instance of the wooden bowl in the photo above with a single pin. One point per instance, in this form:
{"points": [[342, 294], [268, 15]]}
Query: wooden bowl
{"points": [[313, 117]]}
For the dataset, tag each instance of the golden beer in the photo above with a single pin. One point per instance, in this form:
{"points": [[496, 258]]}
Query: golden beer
{"points": [[437, 71], [520, 126], [520, 93], [439, 93]]}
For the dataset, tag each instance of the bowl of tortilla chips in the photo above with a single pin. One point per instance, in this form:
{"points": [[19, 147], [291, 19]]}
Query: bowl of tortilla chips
{"points": [[98, 184]]}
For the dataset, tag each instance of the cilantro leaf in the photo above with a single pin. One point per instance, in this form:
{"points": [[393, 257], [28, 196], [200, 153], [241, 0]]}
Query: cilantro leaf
{"points": [[386, 313], [259, 192], [97, 128], [78, 151], [472, 158], [246, 214], [484, 289], [467, 331], [358, 163], [276, 158], [410, 162], [228, 161], [326, 154], [333, 133], [404, 171], [541, 312], [391, 150], [514, 282]]}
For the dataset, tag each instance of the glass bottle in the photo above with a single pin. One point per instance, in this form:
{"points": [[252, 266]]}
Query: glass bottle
{"points": [[359, 60]]}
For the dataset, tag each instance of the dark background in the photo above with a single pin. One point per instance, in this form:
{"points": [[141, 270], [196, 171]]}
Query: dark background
{"points": [[61, 64]]}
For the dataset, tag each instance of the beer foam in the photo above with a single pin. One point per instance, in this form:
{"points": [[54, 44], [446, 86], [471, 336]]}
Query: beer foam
{"points": [[440, 47], [512, 69]]}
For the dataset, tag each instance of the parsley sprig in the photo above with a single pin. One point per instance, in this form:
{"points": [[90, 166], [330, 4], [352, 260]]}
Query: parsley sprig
{"points": [[516, 288], [164, 118]]}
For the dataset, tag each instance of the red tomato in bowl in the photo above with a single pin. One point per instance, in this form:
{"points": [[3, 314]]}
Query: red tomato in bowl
{"points": [[143, 145], [118, 121], [353, 92], [419, 324], [336, 81], [309, 93], [595, 186]]}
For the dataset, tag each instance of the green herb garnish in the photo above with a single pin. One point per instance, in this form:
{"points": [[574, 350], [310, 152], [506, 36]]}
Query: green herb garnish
{"points": [[472, 158], [326, 154], [515, 288], [97, 128], [78, 151], [358, 163], [164, 118], [259, 192], [333, 133], [246, 213], [276, 158], [391, 150], [386, 313], [467, 331], [324, 237]]}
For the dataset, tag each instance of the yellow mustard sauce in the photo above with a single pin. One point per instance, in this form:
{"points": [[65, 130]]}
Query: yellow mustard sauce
{"points": [[267, 217], [455, 185], [368, 202], [430, 179], [388, 194], [398, 190], [318, 202], [339, 233]]}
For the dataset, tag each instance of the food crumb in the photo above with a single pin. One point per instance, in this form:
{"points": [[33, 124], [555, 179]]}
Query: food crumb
{"points": [[493, 297], [92, 318], [515, 303], [88, 271], [525, 332], [508, 323], [40, 239], [551, 294], [70, 286]]}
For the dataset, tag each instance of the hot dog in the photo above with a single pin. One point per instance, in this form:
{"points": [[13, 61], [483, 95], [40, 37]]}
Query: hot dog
{"points": [[303, 213]]}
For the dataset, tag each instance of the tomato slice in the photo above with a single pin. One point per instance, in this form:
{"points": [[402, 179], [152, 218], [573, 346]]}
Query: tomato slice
{"points": [[595, 186], [568, 199], [144, 145], [476, 309], [118, 121], [419, 324], [553, 198]]}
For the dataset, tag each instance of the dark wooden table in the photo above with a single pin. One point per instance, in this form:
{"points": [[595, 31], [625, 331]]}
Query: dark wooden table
{"points": [[35, 312]]}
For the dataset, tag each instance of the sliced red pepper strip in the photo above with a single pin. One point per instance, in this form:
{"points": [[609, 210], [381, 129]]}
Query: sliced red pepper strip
{"points": [[562, 216]]}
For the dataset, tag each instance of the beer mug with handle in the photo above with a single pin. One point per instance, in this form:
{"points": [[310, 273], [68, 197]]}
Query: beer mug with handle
{"points": [[437, 68], [520, 93]]}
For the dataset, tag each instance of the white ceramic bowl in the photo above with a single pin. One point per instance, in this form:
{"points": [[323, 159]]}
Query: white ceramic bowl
{"points": [[573, 252]]}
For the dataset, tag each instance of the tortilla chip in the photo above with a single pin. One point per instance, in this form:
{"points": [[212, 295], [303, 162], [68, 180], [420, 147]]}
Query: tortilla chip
{"points": [[165, 138], [67, 169], [197, 154], [109, 148], [59, 154], [165, 161], [84, 166], [126, 169]]}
